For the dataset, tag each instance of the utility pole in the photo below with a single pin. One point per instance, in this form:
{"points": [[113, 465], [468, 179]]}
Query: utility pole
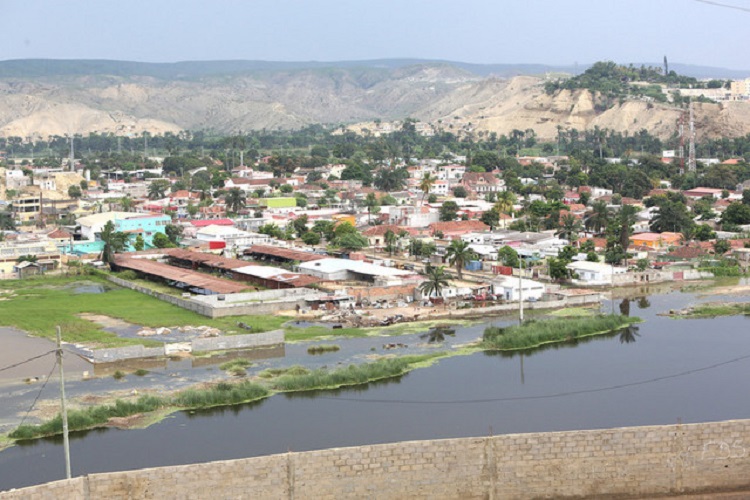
{"points": [[63, 409], [520, 292]]}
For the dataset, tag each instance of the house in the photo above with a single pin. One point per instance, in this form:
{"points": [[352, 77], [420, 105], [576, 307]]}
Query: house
{"points": [[230, 236], [45, 252], [482, 182], [147, 225], [594, 273], [700, 192], [331, 269], [376, 234], [508, 288], [656, 240], [455, 229]]}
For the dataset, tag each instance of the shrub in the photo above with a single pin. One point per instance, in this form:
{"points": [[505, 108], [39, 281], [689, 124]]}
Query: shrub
{"points": [[322, 348]]}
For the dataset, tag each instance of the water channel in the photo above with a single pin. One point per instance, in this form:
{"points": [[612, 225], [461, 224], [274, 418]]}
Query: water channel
{"points": [[665, 371]]}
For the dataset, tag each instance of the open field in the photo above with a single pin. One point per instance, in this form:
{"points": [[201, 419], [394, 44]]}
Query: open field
{"points": [[37, 306]]}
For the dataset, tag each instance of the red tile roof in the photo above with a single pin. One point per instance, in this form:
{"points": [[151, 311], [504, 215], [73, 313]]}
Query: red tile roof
{"points": [[192, 278], [459, 226]]}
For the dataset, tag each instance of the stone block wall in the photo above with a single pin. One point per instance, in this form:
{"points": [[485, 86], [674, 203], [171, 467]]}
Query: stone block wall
{"points": [[633, 462]]}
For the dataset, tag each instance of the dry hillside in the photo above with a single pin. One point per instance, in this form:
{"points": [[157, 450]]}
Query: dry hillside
{"points": [[437, 93]]}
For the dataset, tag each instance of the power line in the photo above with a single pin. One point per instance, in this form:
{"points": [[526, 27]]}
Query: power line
{"points": [[49, 375], [544, 396], [725, 5], [26, 361]]}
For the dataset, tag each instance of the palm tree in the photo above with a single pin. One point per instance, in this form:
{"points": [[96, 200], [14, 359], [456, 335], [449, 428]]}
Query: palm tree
{"points": [[626, 218], [157, 189], [505, 201], [235, 200], [372, 204], [114, 242], [390, 241], [598, 219], [126, 203], [425, 185], [569, 227], [458, 254], [437, 279]]}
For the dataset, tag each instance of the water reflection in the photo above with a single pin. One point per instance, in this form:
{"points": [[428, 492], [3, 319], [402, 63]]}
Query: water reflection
{"points": [[643, 302], [628, 334], [625, 307], [223, 410], [437, 334]]}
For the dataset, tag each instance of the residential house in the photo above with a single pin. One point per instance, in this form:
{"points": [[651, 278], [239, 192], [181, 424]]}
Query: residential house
{"points": [[656, 241], [480, 183], [594, 273], [455, 229], [509, 288]]}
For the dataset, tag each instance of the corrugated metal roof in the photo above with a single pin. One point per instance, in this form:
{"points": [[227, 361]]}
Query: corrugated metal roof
{"points": [[191, 278], [206, 259], [284, 253]]}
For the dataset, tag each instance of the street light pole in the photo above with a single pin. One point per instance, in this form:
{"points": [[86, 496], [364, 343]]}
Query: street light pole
{"points": [[520, 292]]}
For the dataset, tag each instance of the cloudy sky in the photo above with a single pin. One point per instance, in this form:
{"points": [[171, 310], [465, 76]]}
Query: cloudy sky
{"points": [[561, 32]]}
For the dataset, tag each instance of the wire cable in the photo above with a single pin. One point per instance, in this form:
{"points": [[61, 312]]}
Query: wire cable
{"points": [[725, 5], [39, 394], [26, 361], [543, 396]]}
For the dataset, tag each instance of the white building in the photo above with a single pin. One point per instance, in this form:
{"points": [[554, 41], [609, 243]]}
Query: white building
{"points": [[594, 273], [233, 237], [343, 270], [508, 288]]}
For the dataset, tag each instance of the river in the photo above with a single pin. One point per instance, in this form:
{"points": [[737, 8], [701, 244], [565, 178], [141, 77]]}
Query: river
{"points": [[667, 371]]}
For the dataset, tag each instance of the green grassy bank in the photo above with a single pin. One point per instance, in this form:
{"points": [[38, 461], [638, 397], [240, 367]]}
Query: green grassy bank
{"points": [[537, 333]]}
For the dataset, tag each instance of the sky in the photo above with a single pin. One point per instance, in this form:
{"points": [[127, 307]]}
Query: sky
{"points": [[556, 32]]}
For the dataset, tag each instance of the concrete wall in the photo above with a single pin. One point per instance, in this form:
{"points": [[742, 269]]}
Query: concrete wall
{"points": [[627, 462], [188, 304], [250, 340]]}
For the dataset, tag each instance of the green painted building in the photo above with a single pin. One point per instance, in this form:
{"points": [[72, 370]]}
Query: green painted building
{"points": [[290, 202]]}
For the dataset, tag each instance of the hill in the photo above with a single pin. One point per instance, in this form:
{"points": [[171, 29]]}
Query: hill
{"points": [[40, 98]]}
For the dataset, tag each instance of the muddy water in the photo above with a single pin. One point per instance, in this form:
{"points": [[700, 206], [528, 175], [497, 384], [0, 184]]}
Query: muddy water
{"points": [[663, 371], [16, 346]]}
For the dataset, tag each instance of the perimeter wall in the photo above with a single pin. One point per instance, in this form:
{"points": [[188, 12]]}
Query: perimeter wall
{"points": [[627, 463]]}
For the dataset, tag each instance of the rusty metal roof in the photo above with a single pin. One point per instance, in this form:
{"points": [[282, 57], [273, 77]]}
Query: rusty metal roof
{"points": [[206, 259], [284, 253], [192, 278]]}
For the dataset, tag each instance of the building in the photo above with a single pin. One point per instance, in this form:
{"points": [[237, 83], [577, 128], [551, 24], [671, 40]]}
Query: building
{"points": [[27, 207], [594, 273], [46, 253], [230, 236], [330, 269], [656, 241], [147, 225], [508, 288]]}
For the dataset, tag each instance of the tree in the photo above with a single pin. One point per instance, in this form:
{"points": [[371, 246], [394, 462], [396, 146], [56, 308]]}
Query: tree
{"points": [[372, 204], [736, 213], [286, 188], [75, 192], [437, 279], [505, 200], [391, 179], [114, 242], [671, 216], [425, 185], [598, 218], [508, 256], [460, 192], [6, 221], [351, 241], [721, 247], [161, 240], [448, 211], [192, 209], [173, 232], [235, 200], [569, 227], [703, 232], [390, 241], [126, 203], [139, 244], [458, 254], [491, 217], [558, 269], [310, 238], [325, 228], [300, 225], [158, 189]]}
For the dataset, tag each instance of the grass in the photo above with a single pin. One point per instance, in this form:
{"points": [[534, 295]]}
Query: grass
{"points": [[294, 334], [536, 333], [276, 372], [140, 372], [292, 379], [237, 367], [712, 310], [351, 375], [573, 312], [38, 305], [323, 348]]}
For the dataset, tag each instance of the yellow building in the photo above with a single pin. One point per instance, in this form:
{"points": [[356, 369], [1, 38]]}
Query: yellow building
{"points": [[656, 240], [46, 253], [27, 206]]}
